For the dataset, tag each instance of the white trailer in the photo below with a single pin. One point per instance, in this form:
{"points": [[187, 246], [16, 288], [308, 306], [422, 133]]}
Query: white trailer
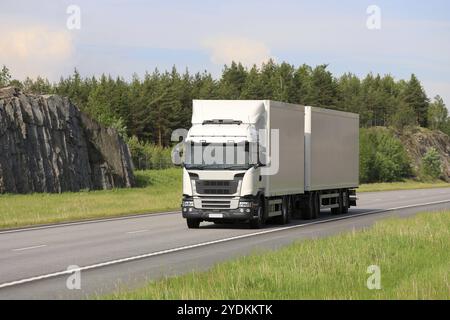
{"points": [[296, 160]]}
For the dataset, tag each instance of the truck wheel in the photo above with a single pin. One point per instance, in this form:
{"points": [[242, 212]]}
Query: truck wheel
{"points": [[338, 210], [296, 209], [307, 212], [193, 223], [346, 202], [258, 222], [286, 209], [316, 207]]}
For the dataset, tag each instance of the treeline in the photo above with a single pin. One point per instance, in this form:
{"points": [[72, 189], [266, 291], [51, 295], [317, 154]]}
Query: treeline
{"points": [[149, 108]]}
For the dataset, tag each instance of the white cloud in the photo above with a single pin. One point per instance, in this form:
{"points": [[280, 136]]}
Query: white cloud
{"points": [[35, 50], [227, 49]]}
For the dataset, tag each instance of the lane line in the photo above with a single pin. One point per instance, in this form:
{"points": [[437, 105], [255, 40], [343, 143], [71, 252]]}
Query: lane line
{"points": [[29, 248], [137, 231], [203, 244], [146, 215], [66, 224]]}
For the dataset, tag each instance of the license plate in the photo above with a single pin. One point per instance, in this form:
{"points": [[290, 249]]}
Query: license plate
{"points": [[216, 215]]}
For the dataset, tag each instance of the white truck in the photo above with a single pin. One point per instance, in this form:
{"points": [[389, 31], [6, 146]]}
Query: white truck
{"points": [[255, 160]]}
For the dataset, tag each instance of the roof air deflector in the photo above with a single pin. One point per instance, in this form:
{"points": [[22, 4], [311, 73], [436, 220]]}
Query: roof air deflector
{"points": [[222, 121]]}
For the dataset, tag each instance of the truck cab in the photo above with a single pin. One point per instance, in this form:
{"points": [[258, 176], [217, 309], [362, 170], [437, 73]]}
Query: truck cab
{"points": [[221, 171]]}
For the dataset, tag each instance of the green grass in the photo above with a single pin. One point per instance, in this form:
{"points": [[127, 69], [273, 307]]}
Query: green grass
{"points": [[158, 190], [413, 254], [404, 185]]}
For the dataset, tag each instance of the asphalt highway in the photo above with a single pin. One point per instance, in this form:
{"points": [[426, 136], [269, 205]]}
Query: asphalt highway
{"points": [[125, 252]]}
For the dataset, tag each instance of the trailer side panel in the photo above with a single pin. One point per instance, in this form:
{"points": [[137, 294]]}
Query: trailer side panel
{"points": [[331, 149], [288, 119]]}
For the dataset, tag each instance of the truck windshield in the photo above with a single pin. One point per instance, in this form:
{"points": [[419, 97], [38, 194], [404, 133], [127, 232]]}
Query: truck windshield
{"points": [[219, 156]]}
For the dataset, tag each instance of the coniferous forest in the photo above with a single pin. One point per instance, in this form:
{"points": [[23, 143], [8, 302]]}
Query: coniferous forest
{"points": [[145, 110]]}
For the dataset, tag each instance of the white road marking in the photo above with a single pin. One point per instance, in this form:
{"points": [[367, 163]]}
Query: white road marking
{"points": [[137, 231], [203, 244], [29, 248]]}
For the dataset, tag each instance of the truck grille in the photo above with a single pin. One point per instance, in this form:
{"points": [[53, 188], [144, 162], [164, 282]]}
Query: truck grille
{"points": [[216, 186], [216, 204]]}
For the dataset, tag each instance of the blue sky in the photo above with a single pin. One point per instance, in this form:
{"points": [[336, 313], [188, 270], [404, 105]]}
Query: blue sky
{"points": [[126, 37]]}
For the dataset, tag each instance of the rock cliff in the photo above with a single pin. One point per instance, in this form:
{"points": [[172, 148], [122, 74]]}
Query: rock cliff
{"points": [[418, 141], [48, 145]]}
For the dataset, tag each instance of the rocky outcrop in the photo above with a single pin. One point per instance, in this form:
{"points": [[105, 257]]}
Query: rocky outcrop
{"points": [[418, 141], [48, 145]]}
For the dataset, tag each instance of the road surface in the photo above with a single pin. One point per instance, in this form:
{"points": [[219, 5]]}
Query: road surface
{"points": [[125, 252]]}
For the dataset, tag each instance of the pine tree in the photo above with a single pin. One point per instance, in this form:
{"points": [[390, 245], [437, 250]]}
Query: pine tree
{"points": [[415, 96], [148, 96], [232, 81], [253, 88], [282, 83], [38, 86], [267, 74], [323, 89], [404, 116], [5, 77], [437, 114], [301, 82], [349, 92]]}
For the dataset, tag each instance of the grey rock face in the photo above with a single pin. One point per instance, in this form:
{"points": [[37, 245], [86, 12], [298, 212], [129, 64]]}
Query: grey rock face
{"points": [[48, 145]]}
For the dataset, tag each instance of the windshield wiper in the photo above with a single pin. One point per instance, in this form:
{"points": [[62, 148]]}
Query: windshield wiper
{"points": [[237, 167], [195, 167]]}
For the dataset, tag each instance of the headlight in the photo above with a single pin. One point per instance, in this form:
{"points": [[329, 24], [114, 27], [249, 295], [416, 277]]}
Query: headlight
{"points": [[188, 203], [245, 204]]}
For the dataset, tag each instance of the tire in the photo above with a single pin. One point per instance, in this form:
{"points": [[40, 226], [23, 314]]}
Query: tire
{"points": [[193, 223], [259, 222], [346, 202], [308, 210], [286, 210], [338, 210], [316, 205], [296, 209]]}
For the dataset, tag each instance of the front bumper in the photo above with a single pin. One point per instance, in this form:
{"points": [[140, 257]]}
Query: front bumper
{"points": [[240, 213], [220, 214]]}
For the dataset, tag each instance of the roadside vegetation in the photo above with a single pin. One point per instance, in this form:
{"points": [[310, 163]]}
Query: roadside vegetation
{"points": [[382, 157], [413, 256], [158, 190], [402, 185]]}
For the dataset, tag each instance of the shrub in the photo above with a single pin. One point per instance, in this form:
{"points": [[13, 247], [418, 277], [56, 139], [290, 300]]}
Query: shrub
{"points": [[149, 156], [431, 165], [382, 157]]}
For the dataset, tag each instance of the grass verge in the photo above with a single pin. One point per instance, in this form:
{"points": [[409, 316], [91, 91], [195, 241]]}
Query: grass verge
{"points": [[403, 185], [158, 190], [413, 255]]}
